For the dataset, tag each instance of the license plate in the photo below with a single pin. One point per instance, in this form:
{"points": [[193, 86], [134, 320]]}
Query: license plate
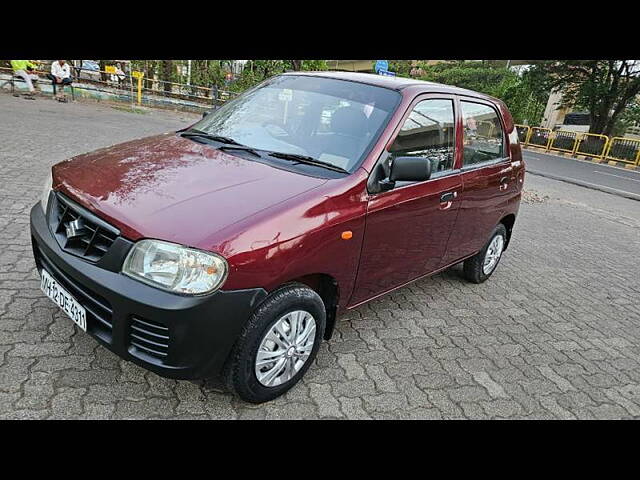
{"points": [[63, 299]]}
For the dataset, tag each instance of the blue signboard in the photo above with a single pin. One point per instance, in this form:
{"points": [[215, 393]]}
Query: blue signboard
{"points": [[381, 65]]}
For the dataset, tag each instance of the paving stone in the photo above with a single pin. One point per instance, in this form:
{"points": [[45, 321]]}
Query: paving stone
{"points": [[553, 334], [562, 383], [494, 388], [328, 405], [350, 365], [353, 409]]}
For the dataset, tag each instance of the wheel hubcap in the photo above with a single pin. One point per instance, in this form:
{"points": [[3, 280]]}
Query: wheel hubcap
{"points": [[285, 348], [494, 251]]}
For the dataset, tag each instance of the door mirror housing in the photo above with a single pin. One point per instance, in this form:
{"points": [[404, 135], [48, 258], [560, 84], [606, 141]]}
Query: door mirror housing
{"points": [[410, 169]]}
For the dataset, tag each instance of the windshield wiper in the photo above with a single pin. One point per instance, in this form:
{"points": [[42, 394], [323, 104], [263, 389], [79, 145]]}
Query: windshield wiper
{"points": [[230, 143], [308, 161], [208, 136], [240, 147]]}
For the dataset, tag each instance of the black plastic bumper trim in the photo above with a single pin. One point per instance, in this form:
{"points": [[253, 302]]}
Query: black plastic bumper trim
{"points": [[201, 329]]}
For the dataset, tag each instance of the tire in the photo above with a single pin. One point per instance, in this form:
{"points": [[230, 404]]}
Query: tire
{"points": [[240, 373], [473, 267]]}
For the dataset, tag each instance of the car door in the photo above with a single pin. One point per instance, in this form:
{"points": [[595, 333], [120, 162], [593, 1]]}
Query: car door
{"points": [[486, 178], [407, 228]]}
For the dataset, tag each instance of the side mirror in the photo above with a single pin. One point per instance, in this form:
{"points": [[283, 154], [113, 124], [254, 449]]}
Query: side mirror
{"points": [[407, 169], [410, 169], [205, 113]]}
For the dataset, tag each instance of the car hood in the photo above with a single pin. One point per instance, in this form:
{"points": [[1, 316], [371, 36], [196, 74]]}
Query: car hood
{"points": [[175, 189]]}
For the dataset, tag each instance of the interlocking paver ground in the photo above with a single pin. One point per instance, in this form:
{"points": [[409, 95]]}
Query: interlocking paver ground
{"points": [[555, 333]]}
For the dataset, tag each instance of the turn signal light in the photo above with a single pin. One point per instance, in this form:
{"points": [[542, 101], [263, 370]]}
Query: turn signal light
{"points": [[347, 235]]}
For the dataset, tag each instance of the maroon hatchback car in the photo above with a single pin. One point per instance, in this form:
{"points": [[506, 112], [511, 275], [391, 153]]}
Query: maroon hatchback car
{"points": [[230, 247]]}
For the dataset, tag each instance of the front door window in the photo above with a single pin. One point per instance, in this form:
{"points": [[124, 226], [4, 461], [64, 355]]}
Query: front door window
{"points": [[483, 139], [428, 131]]}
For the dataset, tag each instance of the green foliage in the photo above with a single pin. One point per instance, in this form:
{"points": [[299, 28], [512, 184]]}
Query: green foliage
{"points": [[256, 71], [522, 93], [314, 65], [603, 87], [628, 118], [402, 68]]}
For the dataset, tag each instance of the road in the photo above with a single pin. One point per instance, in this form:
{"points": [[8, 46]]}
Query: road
{"points": [[615, 180], [555, 333]]}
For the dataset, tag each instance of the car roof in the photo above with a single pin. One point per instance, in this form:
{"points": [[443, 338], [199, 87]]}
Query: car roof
{"points": [[395, 83]]}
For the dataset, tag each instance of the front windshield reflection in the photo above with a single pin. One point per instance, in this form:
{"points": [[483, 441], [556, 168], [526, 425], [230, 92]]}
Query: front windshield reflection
{"points": [[331, 120]]}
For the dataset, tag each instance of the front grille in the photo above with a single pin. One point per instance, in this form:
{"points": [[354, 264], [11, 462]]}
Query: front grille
{"points": [[94, 238], [149, 337], [99, 312]]}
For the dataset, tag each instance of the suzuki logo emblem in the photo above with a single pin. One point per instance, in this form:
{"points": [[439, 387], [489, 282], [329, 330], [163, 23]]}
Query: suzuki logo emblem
{"points": [[75, 228]]}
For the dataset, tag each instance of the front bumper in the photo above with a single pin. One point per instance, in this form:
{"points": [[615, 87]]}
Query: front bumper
{"points": [[193, 334]]}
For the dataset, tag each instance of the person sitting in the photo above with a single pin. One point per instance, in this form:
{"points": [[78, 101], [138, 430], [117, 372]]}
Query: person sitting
{"points": [[60, 76], [118, 77], [22, 69]]}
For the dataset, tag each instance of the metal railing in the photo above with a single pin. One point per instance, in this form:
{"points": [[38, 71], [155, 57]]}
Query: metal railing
{"points": [[540, 137], [563, 141], [595, 145], [626, 150], [142, 90], [523, 133], [154, 86], [591, 145]]}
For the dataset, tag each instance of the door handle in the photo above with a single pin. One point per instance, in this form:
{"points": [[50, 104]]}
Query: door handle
{"points": [[448, 197], [504, 183]]}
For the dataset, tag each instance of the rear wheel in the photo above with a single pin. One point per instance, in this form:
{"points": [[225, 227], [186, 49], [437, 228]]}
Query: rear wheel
{"points": [[278, 344], [479, 268]]}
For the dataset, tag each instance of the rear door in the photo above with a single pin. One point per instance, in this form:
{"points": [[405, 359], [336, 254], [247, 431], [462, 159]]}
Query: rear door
{"points": [[487, 178], [407, 228]]}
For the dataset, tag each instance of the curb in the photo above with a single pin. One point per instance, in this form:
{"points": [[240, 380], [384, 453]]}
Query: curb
{"points": [[556, 153], [611, 191]]}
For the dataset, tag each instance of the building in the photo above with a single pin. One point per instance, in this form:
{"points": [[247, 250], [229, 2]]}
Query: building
{"points": [[352, 65], [554, 114]]}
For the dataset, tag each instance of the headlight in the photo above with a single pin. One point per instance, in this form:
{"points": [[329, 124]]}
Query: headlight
{"points": [[174, 267], [46, 189]]}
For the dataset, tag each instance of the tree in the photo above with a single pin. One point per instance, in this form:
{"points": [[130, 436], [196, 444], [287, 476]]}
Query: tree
{"points": [[603, 87], [402, 68], [629, 118], [166, 74], [524, 94], [256, 71]]}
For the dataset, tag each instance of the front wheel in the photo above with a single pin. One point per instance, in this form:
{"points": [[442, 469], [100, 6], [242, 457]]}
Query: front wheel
{"points": [[278, 344], [480, 267]]}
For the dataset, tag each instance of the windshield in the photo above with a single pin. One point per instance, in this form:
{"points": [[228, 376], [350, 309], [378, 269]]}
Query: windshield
{"points": [[333, 121]]}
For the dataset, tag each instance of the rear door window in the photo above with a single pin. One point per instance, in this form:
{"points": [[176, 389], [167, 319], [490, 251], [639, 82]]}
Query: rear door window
{"points": [[483, 137]]}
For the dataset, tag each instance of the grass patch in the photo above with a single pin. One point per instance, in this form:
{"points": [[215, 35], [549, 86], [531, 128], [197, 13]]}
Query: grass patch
{"points": [[129, 109]]}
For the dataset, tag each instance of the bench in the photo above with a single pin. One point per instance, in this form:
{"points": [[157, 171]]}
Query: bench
{"points": [[14, 79]]}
